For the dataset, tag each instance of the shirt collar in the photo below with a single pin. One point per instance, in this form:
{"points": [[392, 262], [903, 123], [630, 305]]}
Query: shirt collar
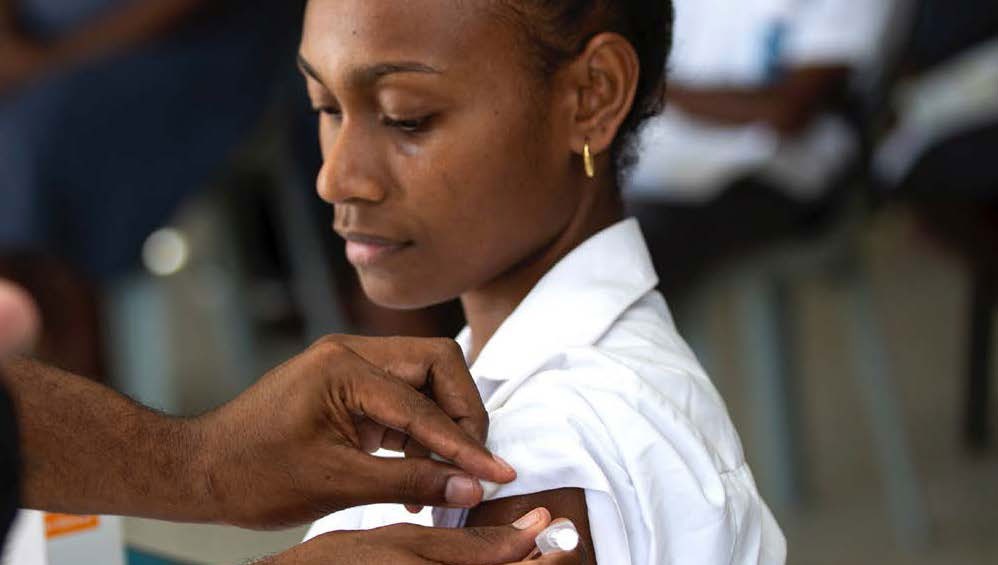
{"points": [[573, 305]]}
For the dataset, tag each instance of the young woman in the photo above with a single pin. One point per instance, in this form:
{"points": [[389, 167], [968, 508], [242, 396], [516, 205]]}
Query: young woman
{"points": [[472, 148]]}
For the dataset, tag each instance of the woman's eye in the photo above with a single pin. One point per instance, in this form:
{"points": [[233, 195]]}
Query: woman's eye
{"points": [[415, 125], [327, 110]]}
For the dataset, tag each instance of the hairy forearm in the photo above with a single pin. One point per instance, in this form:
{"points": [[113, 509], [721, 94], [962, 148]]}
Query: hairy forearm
{"points": [[133, 24], [787, 106], [89, 450]]}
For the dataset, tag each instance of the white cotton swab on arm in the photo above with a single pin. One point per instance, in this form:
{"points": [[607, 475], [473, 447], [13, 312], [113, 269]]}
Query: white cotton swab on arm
{"points": [[559, 536]]}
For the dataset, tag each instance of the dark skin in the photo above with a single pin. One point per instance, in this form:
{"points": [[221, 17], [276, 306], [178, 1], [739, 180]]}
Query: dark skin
{"points": [[284, 452], [454, 170], [19, 319], [404, 544], [567, 502], [287, 451], [788, 105]]}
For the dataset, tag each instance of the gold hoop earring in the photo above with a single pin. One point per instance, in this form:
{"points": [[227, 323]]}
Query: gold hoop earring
{"points": [[587, 161]]}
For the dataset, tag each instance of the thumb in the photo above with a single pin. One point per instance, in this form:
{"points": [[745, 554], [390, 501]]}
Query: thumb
{"points": [[478, 546], [416, 481], [19, 319]]}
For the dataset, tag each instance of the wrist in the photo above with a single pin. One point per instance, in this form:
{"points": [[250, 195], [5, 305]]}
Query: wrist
{"points": [[202, 462]]}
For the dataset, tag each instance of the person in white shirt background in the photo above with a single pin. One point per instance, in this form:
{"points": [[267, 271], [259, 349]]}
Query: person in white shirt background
{"points": [[473, 149], [752, 143]]}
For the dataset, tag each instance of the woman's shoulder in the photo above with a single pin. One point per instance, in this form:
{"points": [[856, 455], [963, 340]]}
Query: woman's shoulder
{"points": [[639, 374], [640, 355]]}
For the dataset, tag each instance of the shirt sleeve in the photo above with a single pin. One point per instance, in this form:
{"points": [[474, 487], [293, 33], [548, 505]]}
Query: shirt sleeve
{"points": [[849, 32], [557, 444], [656, 493]]}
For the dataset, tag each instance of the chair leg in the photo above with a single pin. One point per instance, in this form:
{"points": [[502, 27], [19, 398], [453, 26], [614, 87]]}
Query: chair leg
{"points": [[904, 495], [765, 338], [977, 427]]}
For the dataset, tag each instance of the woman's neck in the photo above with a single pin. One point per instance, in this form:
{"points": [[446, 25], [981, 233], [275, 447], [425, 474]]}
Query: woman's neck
{"points": [[486, 308]]}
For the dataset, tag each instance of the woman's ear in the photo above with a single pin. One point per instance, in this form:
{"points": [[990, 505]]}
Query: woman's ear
{"points": [[605, 79]]}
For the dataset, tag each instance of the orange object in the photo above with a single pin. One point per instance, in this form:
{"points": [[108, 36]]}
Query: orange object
{"points": [[62, 524]]}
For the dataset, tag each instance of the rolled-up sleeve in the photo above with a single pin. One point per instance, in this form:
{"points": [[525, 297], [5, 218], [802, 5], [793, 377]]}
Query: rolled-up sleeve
{"points": [[656, 491]]}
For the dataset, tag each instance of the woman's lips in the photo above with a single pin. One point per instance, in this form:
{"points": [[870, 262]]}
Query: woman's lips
{"points": [[366, 250]]}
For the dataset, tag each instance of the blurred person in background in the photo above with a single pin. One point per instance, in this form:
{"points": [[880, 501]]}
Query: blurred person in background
{"points": [[111, 113], [750, 145], [938, 158]]}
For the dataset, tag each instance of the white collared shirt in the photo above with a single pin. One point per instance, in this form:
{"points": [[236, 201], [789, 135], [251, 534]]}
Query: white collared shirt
{"points": [[588, 385]]}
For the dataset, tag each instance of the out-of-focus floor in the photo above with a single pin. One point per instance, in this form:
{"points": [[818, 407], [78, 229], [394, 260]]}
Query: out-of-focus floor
{"points": [[921, 298], [921, 295]]}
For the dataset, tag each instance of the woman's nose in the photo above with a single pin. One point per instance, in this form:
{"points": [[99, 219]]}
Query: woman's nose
{"points": [[350, 170]]}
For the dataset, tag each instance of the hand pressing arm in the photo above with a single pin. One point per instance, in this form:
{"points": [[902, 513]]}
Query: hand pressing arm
{"points": [[415, 545], [289, 450], [569, 503]]}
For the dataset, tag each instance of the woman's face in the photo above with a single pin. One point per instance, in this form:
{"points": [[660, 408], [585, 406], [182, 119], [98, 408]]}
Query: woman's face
{"points": [[446, 165]]}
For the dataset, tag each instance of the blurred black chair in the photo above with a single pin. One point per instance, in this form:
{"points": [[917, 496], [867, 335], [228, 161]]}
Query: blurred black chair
{"points": [[941, 159]]}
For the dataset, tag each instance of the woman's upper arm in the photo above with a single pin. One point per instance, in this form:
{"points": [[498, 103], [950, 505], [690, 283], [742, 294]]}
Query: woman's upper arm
{"points": [[563, 503]]}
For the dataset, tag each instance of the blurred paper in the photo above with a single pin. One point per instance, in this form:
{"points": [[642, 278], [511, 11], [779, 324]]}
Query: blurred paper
{"points": [[26, 544], [84, 539]]}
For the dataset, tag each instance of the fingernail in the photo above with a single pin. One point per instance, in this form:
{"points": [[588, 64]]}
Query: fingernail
{"points": [[502, 463], [461, 491], [529, 520]]}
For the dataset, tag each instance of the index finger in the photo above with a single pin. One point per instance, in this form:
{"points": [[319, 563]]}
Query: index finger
{"points": [[436, 365], [453, 388], [393, 403]]}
